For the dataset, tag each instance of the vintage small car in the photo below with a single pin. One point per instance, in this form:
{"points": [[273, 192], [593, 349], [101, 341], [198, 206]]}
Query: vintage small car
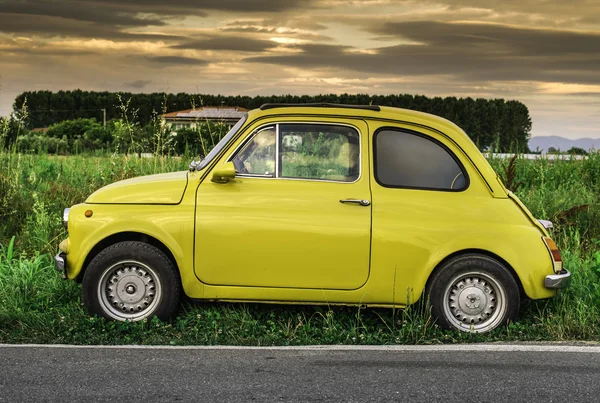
{"points": [[318, 204]]}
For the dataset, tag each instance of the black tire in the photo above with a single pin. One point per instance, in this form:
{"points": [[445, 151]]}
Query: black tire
{"points": [[131, 281], [473, 293]]}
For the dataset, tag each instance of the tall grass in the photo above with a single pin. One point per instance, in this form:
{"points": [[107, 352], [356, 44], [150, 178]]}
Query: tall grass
{"points": [[36, 305], [34, 189]]}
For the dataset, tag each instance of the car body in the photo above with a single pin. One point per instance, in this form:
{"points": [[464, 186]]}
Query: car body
{"points": [[318, 204]]}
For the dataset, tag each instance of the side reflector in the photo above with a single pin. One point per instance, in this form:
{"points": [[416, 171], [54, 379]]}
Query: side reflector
{"points": [[89, 213]]}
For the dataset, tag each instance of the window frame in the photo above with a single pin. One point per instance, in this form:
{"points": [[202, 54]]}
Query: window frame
{"points": [[427, 138], [248, 140], [222, 144], [278, 145]]}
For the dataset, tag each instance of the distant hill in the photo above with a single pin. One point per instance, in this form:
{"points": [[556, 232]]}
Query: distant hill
{"points": [[560, 143]]}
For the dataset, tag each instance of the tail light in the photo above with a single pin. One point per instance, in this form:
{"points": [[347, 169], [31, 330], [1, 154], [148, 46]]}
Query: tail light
{"points": [[555, 253]]}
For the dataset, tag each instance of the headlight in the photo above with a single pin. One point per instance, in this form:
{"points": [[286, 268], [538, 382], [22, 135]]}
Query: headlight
{"points": [[66, 218]]}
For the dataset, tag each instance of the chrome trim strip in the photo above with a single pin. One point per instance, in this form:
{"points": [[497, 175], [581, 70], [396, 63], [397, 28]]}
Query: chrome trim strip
{"points": [[277, 140], [546, 224], [557, 281], [293, 179]]}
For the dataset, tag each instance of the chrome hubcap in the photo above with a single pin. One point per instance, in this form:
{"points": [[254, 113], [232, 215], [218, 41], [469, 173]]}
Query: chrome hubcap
{"points": [[129, 291], [474, 302]]}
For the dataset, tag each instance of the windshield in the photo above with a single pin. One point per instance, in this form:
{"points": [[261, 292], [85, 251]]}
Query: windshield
{"points": [[221, 144]]}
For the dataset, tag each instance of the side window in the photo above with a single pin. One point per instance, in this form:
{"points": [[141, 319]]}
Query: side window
{"points": [[257, 156], [409, 160], [315, 151]]}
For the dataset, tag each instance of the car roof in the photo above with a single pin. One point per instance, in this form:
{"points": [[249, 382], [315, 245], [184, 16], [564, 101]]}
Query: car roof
{"points": [[365, 111]]}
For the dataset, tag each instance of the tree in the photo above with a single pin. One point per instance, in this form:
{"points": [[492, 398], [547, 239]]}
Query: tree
{"points": [[577, 151], [486, 121]]}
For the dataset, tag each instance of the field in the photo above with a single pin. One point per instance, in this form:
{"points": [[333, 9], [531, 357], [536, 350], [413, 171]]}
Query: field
{"points": [[37, 306]]}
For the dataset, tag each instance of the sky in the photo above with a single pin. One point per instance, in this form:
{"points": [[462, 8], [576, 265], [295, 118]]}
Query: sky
{"points": [[544, 53]]}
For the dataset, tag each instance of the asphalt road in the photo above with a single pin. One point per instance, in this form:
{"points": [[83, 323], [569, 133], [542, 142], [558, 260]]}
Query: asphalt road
{"points": [[477, 373]]}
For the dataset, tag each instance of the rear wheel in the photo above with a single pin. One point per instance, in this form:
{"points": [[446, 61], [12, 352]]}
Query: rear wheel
{"points": [[473, 293], [131, 281]]}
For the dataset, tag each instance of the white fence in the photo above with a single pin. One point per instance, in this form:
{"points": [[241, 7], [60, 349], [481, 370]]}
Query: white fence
{"points": [[551, 157]]}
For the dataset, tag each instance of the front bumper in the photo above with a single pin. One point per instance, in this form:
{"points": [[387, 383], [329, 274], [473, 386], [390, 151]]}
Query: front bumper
{"points": [[60, 263], [560, 280]]}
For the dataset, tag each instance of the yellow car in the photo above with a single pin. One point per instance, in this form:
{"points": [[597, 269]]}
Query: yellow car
{"points": [[318, 204]]}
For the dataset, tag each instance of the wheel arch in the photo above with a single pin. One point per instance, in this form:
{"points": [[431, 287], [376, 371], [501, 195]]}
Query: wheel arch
{"points": [[480, 252], [122, 237]]}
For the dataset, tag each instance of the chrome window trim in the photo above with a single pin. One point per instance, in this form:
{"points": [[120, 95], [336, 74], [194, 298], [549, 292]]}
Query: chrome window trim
{"points": [[249, 139], [222, 144], [427, 137], [276, 125], [277, 150]]}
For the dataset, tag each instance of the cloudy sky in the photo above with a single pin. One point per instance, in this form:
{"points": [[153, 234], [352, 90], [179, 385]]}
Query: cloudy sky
{"points": [[545, 53]]}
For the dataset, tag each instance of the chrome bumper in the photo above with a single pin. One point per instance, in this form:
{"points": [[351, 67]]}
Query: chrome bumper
{"points": [[560, 280], [60, 263]]}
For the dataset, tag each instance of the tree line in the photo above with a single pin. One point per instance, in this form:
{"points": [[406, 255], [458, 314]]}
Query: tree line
{"points": [[496, 123]]}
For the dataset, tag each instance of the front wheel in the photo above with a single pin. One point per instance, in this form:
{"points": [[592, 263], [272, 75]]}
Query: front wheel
{"points": [[131, 281], [473, 293]]}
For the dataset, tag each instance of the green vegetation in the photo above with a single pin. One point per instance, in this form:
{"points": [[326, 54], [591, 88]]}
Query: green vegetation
{"points": [[572, 151], [37, 306], [505, 125], [124, 135]]}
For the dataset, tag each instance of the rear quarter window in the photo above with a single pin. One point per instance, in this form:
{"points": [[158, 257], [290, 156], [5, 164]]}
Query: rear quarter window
{"points": [[409, 160]]}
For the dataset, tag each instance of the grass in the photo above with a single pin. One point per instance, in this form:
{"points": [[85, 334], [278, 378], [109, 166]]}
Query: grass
{"points": [[37, 306]]}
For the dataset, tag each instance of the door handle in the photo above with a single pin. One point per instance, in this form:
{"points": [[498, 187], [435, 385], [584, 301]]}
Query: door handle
{"points": [[360, 202]]}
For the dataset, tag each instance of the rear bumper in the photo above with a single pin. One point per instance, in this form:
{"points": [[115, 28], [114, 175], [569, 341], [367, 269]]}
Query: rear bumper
{"points": [[560, 280], [60, 263]]}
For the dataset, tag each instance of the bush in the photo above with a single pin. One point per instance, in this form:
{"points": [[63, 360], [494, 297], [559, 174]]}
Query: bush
{"points": [[72, 129], [198, 141], [32, 143]]}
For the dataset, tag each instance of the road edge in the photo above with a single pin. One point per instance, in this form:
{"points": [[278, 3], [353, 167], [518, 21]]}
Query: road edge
{"points": [[547, 348]]}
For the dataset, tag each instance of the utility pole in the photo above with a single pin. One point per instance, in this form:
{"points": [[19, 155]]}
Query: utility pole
{"points": [[104, 119]]}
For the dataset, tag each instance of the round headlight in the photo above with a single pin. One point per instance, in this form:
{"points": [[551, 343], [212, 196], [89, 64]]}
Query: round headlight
{"points": [[66, 218]]}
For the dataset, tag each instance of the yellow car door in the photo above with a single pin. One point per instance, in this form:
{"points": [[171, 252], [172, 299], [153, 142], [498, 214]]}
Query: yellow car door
{"points": [[296, 215]]}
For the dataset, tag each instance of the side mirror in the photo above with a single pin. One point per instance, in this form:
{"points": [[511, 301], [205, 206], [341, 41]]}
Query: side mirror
{"points": [[223, 173]]}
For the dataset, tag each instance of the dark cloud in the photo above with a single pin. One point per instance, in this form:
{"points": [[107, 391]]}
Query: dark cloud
{"points": [[79, 11], [45, 26], [494, 38], [133, 13], [178, 60], [28, 49], [138, 84], [108, 18], [179, 7], [556, 8], [476, 52], [242, 44]]}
